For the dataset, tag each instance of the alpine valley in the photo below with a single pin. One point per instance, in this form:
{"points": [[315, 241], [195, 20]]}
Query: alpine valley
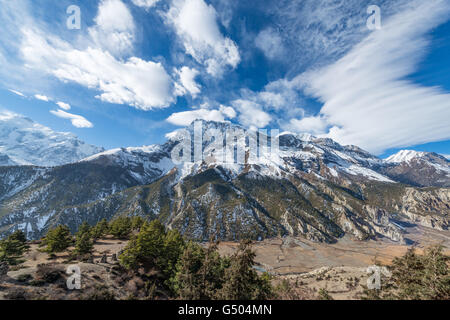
{"points": [[313, 188]]}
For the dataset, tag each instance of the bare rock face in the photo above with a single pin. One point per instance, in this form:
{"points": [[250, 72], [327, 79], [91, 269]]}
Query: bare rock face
{"points": [[430, 208]]}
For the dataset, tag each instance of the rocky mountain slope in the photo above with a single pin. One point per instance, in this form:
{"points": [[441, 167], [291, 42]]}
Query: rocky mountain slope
{"points": [[25, 142], [419, 169], [311, 187]]}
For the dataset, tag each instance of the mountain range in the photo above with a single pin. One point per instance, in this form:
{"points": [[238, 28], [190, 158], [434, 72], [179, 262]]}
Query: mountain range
{"points": [[312, 187]]}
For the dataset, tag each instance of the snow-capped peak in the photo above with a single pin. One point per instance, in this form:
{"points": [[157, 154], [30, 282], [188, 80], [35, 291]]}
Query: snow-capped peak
{"points": [[405, 156], [26, 142]]}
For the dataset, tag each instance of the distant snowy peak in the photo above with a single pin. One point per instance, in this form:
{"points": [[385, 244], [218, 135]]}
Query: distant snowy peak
{"points": [[25, 142], [406, 156]]}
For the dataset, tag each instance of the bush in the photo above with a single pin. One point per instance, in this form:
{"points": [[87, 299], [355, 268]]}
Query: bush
{"points": [[58, 239]]}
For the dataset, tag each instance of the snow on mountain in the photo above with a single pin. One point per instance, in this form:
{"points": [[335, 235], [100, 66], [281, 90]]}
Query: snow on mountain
{"points": [[418, 168], [302, 152], [435, 160], [145, 164], [25, 142], [310, 186], [405, 156]]}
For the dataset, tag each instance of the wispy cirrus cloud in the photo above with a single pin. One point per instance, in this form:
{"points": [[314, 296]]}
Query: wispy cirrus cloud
{"points": [[89, 61], [42, 97], [16, 92], [77, 120], [63, 105], [367, 100]]}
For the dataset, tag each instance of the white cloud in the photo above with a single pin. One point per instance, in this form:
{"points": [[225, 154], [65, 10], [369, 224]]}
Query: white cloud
{"points": [[187, 117], [271, 43], [146, 4], [77, 121], [41, 97], [114, 29], [187, 80], [313, 125], [251, 114], [142, 84], [228, 112], [195, 23], [63, 105], [17, 92], [367, 100]]}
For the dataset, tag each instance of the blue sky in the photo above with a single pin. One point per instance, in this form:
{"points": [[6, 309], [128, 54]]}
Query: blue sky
{"points": [[139, 69]]}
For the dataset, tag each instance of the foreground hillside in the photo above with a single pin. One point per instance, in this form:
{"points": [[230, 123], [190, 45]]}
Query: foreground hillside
{"points": [[298, 269]]}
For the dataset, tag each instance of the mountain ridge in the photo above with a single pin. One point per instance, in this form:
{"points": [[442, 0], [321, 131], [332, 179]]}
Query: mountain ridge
{"points": [[311, 187]]}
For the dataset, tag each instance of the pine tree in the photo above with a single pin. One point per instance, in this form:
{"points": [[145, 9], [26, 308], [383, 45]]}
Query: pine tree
{"points": [[200, 272], [84, 228], [416, 277], [242, 281], [84, 243], [121, 228], [58, 239], [11, 250], [100, 230], [147, 248], [137, 223], [173, 248], [188, 280], [18, 235]]}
